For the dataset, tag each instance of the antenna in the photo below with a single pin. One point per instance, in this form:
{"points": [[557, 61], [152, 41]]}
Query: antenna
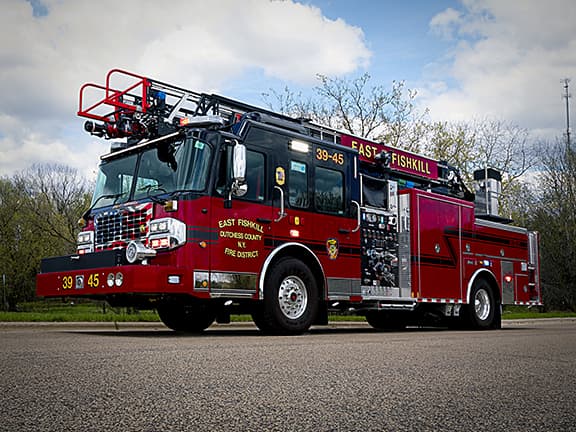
{"points": [[567, 96]]}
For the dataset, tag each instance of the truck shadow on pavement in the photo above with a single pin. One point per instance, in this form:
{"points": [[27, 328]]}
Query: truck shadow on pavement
{"points": [[246, 332]]}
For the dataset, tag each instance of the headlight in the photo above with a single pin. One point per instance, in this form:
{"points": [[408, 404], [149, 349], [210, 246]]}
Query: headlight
{"points": [[166, 233], [159, 226], [85, 242], [85, 237]]}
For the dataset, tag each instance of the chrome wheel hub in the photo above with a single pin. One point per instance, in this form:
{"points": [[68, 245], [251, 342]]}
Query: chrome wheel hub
{"points": [[293, 297], [482, 304]]}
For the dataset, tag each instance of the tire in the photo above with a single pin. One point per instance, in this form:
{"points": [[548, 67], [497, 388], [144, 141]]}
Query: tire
{"points": [[187, 318], [290, 299], [386, 320], [481, 312], [259, 318]]}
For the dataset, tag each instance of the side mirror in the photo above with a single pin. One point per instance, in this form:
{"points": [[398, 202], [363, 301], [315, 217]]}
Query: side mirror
{"points": [[239, 189], [238, 186], [239, 163]]}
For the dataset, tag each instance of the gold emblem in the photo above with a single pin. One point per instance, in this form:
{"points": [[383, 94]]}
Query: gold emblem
{"points": [[332, 248]]}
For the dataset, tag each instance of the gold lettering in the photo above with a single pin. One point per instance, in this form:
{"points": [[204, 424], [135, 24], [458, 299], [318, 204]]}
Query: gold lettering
{"points": [[226, 223], [250, 224], [247, 254], [231, 234]]}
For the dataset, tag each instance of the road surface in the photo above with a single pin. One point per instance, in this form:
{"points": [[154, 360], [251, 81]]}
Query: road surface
{"points": [[344, 378]]}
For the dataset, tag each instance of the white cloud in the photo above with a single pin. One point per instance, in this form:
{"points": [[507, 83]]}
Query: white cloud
{"points": [[507, 62], [25, 146], [445, 22], [192, 43]]}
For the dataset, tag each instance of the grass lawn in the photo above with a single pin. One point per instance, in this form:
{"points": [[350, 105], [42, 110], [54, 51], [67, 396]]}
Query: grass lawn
{"points": [[59, 311]]}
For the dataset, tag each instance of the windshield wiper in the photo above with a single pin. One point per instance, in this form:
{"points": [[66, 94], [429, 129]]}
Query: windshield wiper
{"points": [[178, 192], [107, 196], [157, 187]]}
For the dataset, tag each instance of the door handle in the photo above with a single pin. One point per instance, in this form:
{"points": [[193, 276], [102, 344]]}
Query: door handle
{"points": [[358, 217], [282, 213]]}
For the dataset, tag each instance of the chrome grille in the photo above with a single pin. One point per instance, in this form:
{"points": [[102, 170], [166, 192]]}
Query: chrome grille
{"points": [[117, 227]]}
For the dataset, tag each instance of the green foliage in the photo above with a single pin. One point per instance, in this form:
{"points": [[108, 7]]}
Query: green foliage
{"points": [[497, 144], [38, 212], [553, 214]]}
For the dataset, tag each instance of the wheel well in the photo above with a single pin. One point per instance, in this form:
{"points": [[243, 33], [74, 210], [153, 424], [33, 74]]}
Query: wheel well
{"points": [[490, 279], [301, 253]]}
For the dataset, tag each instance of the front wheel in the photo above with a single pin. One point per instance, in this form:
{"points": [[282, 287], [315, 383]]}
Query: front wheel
{"points": [[290, 299], [482, 308]]}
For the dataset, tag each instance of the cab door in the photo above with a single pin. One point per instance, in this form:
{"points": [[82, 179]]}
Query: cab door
{"points": [[241, 226], [314, 197]]}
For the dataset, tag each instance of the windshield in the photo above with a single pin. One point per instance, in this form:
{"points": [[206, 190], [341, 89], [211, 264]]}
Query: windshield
{"points": [[155, 171]]}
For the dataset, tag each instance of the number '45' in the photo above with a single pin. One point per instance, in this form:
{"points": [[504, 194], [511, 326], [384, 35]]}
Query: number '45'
{"points": [[93, 280]]}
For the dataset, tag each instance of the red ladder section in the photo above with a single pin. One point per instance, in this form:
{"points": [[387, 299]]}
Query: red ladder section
{"points": [[118, 100]]}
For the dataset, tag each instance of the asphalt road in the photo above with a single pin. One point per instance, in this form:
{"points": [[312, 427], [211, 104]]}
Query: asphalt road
{"points": [[344, 378]]}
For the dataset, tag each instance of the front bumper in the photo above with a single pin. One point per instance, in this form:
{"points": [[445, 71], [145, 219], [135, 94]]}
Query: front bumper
{"points": [[99, 274]]}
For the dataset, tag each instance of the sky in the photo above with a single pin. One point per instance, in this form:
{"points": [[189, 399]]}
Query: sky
{"points": [[467, 59]]}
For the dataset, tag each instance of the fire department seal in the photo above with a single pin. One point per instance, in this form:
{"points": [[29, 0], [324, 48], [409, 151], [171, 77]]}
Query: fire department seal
{"points": [[280, 176], [332, 248]]}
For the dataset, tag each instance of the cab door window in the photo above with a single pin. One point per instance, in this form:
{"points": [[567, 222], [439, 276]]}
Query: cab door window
{"points": [[255, 175], [329, 191], [298, 185]]}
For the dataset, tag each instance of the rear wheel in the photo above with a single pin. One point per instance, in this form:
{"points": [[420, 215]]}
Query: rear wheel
{"points": [[290, 299], [482, 308], [189, 318]]}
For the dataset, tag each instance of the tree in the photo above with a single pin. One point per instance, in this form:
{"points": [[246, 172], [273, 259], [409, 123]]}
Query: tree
{"points": [[18, 246], [38, 210], [486, 143], [356, 107], [554, 216], [56, 196]]}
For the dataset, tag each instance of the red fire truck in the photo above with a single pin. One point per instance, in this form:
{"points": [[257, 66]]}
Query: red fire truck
{"points": [[206, 206]]}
